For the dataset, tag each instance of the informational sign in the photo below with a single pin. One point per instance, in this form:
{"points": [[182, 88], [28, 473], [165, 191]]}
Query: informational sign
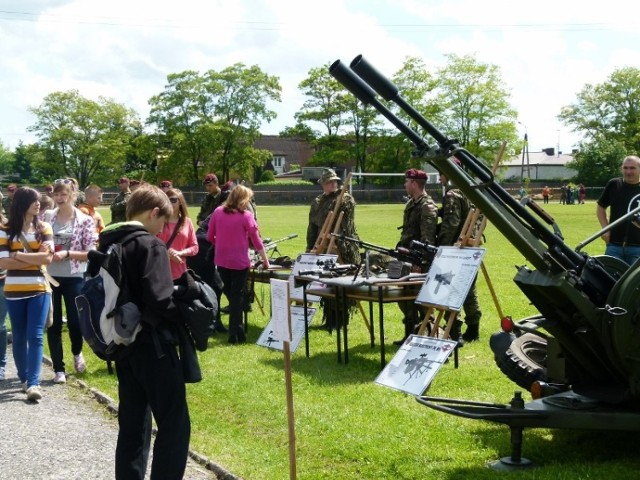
{"points": [[309, 262], [267, 337], [280, 310], [450, 277], [415, 364]]}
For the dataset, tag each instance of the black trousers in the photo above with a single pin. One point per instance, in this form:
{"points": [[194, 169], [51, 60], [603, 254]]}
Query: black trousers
{"points": [[235, 288], [148, 384]]}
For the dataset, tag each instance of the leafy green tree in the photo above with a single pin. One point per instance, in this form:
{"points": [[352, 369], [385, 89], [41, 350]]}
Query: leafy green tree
{"points": [[609, 111], [598, 160], [87, 139], [7, 160], [300, 130], [475, 103], [210, 122]]}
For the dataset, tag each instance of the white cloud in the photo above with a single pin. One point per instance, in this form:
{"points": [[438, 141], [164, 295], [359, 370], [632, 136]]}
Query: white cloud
{"points": [[547, 51]]}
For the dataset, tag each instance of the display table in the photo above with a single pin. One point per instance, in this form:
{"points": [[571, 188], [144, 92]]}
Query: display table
{"points": [[375, 289]]}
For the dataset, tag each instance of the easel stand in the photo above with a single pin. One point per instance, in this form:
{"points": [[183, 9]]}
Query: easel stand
{"points": [[435, 326]]}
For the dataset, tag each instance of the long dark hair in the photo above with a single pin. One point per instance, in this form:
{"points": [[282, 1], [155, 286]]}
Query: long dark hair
{"points": [[183, 209], [22, 200]]}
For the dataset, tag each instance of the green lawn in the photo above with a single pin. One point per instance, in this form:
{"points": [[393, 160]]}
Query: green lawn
{"points": [[347, 426]]}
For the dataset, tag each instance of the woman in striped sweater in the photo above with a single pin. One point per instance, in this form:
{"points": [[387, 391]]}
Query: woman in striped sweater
{"points": [[26, 245]]}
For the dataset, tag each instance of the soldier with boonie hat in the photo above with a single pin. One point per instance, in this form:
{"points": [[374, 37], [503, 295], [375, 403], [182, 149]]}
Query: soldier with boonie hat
{"points": [[328, 174]]}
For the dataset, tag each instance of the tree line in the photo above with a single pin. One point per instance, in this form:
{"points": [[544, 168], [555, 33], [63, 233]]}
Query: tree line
{"points": [[209, 121]]}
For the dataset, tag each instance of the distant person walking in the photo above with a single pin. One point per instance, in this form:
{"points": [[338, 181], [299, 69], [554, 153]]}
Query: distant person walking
{"points": [[582, 193], [545, 194], [620, 196]]}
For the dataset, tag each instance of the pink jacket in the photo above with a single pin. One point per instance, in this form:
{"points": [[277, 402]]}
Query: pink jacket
{"points": [[231, 233], [185, 240]]}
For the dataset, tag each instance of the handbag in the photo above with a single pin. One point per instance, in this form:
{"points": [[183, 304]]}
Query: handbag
{"points": [[48, 278]]}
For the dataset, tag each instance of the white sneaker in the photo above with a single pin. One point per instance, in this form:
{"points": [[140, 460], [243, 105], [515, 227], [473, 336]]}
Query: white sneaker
{"points": [[59, 377], [78, 363], [34, 393], [2, 373]]}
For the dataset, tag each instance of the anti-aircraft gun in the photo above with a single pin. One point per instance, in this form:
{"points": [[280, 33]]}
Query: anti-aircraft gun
{"points": [[589, 322]]}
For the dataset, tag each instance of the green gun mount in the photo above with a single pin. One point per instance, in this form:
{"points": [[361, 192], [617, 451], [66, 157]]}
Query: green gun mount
{"points": [[589, 305]]}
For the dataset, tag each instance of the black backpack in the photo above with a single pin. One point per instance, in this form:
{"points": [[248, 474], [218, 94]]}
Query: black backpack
{"points": [[198, 307], [108, 316]]}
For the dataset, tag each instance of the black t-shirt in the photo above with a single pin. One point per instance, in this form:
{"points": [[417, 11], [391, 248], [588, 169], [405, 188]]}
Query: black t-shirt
{"points": [[621, 198]]}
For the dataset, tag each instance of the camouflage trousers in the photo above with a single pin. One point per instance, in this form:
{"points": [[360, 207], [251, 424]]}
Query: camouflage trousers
{"points": [[471, 307]]}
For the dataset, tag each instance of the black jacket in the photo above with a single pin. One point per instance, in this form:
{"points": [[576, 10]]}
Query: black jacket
{"points": [[148, 272]]}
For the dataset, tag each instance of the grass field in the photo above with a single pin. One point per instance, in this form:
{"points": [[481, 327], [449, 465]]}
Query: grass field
{"points": [[348, 427]]}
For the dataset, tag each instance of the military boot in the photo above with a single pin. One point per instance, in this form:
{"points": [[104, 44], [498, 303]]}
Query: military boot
{"points": [[455, 333], [409, 328], [472, 333]]}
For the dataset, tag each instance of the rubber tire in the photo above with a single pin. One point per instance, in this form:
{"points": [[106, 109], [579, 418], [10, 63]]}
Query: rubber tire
{"points": [[524, 362]]}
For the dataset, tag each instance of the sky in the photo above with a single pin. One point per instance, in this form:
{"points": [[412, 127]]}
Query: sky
{"points": [[547, 51]]}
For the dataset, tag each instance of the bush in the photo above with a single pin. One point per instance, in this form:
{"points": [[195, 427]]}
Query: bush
{"points": [[267, 176]]}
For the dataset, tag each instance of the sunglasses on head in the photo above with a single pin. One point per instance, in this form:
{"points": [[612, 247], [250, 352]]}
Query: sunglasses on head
{"points": [[173, 199], [66, 181]]}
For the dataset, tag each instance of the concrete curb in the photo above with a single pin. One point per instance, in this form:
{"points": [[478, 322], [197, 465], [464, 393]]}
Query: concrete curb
{"points": [[112, 407]]}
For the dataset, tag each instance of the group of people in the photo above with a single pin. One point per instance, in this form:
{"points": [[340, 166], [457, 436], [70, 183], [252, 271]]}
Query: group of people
{"points": [[420, 222], [43, 260]]}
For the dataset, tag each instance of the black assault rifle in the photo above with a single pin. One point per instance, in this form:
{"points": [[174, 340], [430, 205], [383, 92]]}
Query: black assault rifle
{"points": [[418, 253]]}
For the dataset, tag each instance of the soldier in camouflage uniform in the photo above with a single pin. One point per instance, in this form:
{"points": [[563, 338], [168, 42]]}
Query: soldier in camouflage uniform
{"points": [[119, 204], [348, 252], [419, 223], [211, 199], [455, 209]]}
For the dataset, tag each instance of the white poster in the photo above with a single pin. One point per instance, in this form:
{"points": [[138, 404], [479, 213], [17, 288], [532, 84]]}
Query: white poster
{"points": [[267, 337], [280, 310], [450, 277], [415, 364], [305, 263]]}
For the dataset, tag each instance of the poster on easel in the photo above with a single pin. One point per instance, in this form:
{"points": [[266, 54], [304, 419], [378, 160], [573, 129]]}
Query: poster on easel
{"points": [[307, 262], [268, 339], [415, 364], [450, 277]]}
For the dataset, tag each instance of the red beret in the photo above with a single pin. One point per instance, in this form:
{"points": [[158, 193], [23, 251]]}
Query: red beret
{"points": [[123, 180], [166, 184], [133, 183], [210, 178], [415, 174]]}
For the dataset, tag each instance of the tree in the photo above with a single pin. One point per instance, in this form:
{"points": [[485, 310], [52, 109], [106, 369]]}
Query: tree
{"points": [[7, 160], [598, 160], [211, 121], [609, 111], [87, 139], [475, 103]]}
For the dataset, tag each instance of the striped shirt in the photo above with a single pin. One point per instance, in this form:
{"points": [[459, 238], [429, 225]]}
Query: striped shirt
{"points": [[29, 280]]}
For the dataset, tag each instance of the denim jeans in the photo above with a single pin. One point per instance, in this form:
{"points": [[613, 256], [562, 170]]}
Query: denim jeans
{"points": [[69, 289], [3, 326], [28, 317], [629, 253]]}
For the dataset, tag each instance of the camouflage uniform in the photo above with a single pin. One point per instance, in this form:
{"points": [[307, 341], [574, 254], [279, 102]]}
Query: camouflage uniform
{"points": [[321, 207], [119, 207], [348, 251], [209, 204], [419, 223], [455, 209]]}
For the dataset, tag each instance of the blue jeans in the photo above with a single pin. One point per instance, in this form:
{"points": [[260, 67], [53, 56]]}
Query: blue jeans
{"points": [[3, 326], [28, 317], [629, 253], [68, 290]]}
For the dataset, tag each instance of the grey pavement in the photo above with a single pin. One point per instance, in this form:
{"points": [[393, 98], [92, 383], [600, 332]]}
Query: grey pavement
{"points": [[67, 435]]}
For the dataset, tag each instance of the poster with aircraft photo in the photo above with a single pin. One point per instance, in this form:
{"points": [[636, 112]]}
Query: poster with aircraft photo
{"points": [[415, 364]]}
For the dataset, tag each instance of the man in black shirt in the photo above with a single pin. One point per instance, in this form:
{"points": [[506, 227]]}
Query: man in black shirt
{"points": [[622, 195]]}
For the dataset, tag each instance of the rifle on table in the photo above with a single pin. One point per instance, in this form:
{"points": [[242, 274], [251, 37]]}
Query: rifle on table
{"points": [[270, 245], [418, 253]]}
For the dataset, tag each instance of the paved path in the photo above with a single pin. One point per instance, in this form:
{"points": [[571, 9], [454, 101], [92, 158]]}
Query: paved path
{"points": [[67, 435]]}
